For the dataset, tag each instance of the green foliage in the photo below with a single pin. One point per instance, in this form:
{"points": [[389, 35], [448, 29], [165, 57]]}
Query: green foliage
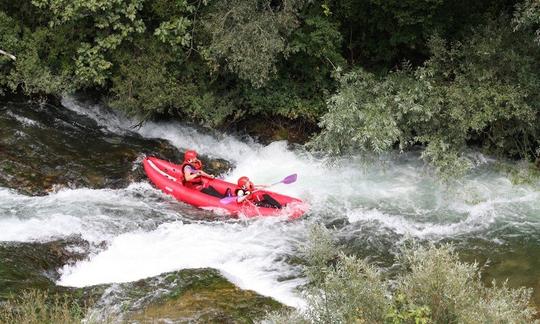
{"points": [[454, 292], [144, 85], [319, 254], [481, 91], [434, 286], [112, 22], [150, 85], [352, 289], [358, 116], [410, 22], [286, 98], [175, 58], [248, 37], [527, 15], [318, 38], [176, 30], [304, 81], [400, 312], [31, 71], [284, 317], [91, 65], [345, 288], [382, 33]]}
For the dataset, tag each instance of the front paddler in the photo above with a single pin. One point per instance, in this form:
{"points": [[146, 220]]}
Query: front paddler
{"points": [[192, 171]]}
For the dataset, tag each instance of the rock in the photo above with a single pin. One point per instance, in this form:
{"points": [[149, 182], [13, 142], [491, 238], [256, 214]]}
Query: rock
{"points": [[45, 147], [216, 166], [194, 295], [296, 131], [36, 265]]}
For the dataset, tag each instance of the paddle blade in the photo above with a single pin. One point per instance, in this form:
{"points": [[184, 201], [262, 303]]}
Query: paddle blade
{"points": [[289, 179], [227, 200]]}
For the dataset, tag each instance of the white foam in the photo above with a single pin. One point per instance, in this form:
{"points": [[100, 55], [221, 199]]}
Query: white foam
{"points": [[96, 215], [181, 136], [39, 229], [23, 120], [425, 230], [407, 200], [249, 254]]}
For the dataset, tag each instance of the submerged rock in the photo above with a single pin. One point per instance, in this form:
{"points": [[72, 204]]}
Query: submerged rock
{"points": [[35, 265], [297, 131], [193, 295]]}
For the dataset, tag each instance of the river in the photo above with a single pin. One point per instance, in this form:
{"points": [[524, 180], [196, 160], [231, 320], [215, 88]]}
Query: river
{"points": [[373, 204]]}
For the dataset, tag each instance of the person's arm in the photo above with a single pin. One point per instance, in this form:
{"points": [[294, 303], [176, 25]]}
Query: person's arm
{"points": [[204, 174]]}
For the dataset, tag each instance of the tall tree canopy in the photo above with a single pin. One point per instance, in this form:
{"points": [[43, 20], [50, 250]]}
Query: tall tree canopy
{"points": [[445, 74]]}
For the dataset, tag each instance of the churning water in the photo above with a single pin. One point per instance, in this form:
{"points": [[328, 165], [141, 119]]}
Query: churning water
{"points": [[374, 205]]}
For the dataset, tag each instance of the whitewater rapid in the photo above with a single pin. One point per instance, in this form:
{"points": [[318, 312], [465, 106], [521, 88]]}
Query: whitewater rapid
{"points": [[375, 203]]}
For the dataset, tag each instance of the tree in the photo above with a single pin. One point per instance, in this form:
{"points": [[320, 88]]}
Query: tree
{"points": [[481, 91], [106, 24], [527, 16], [248, 37]]}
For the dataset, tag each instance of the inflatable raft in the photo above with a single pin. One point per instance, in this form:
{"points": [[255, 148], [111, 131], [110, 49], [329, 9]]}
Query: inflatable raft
{"points": [[168, 177]]}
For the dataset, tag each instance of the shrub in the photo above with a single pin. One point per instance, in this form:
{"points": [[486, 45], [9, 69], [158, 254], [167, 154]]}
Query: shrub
{"points": [[434, 286], [480, 92], [454, 292]]}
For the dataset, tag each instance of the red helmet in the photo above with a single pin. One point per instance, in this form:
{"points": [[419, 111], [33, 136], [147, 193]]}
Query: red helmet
{"points": [[189, 155], [245, 182]]}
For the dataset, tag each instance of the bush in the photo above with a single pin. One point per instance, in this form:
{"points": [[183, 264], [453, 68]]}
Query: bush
{"points": [[454, 292], [434, 287], [480, 92]]}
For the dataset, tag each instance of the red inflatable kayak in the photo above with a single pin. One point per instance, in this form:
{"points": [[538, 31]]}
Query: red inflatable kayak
{"points": [[168, 177]]}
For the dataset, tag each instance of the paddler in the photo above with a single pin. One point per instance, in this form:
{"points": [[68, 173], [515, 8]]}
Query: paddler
{"points": [[193, 174], [244, 192]]}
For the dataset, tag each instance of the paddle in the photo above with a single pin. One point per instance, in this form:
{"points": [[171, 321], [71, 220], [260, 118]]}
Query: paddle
{"points": [[287, 180]]}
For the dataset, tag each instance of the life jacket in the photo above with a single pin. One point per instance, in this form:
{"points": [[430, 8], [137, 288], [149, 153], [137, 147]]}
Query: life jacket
{"points": [[247, 193], [195, 166]]}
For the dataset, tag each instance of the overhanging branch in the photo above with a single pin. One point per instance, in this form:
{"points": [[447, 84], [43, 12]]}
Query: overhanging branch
{"points": [[11, 56]]}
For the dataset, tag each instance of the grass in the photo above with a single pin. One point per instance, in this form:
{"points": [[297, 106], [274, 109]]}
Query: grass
{"points": [[39, 307]]}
